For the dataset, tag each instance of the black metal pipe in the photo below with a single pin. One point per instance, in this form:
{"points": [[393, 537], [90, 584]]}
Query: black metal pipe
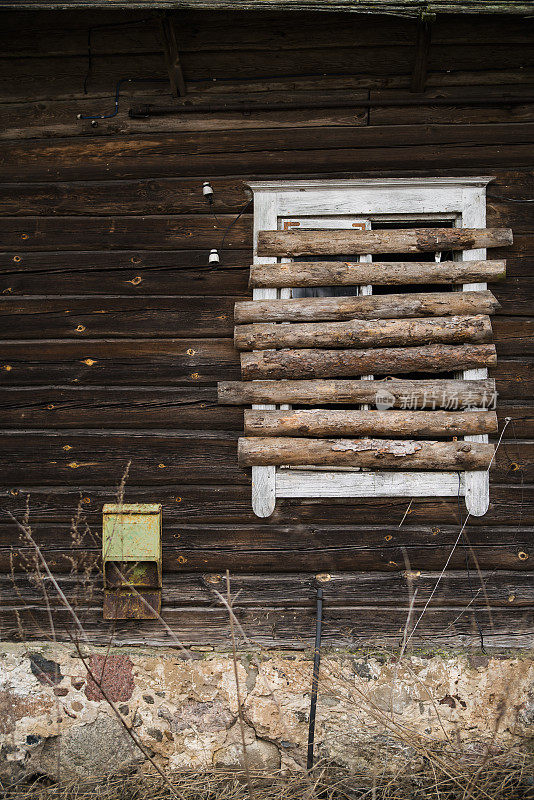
{"points": [[141, 112], [315, 677]]}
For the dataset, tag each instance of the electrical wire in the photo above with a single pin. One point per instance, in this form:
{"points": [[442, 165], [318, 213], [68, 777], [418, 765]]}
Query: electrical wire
{"points": [[233, 222], [117, 96]]}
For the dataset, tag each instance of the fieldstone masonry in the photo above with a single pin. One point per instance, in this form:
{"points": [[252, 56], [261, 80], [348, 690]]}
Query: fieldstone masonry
{"points": [[185, 711]]}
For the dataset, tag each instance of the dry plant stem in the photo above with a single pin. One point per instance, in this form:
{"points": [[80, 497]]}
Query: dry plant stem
{"points": [[238, 693]]}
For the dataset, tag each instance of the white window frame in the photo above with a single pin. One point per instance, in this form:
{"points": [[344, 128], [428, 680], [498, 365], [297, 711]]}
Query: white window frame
{"points": [[460, 199]]}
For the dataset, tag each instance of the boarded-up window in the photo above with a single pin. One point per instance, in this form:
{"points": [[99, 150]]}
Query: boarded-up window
{"points": [[366, 346]]}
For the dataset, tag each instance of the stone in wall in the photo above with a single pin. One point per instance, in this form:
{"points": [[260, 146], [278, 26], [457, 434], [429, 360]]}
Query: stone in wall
{"points": [[372, 709]]}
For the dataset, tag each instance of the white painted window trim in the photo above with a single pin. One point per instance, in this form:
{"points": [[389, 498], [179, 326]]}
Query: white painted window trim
{"points": [[462, 199]]}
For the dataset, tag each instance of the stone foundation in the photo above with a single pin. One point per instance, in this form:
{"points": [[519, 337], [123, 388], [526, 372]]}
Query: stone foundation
{"points": [[371, 709]]}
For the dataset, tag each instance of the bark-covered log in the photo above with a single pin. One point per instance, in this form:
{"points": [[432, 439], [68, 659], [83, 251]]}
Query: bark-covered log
{"points": [[388, 273], [378, 361], [370, 453], [387, 306], [396, 393], [363, 333], [326, 422], [417, 240]]}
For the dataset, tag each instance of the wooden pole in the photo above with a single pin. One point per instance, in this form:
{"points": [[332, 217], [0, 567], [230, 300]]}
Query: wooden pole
{"points": [[396, 393], [388, 273], [379, 361], [387, 306], [417, 240], [362, 333], [327, 422], [369, 453]]}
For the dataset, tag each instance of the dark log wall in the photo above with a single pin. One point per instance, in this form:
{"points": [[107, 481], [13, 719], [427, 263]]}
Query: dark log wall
{"points": [[115, 332]]}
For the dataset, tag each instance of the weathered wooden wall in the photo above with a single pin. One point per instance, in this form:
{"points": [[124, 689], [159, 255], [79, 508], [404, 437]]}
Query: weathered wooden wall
{"points": [[115, 332]]}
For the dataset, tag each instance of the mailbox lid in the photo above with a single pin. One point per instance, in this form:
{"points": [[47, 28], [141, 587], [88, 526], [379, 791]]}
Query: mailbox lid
{"points": [[131, 532]]}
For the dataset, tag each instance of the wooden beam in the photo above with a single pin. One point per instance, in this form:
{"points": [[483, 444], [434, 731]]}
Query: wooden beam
{"points": [[327, 422], [363, 333], [368, 453], [417, 240], [388, 273], [396, 393], [172, 56], [408, 8], [379, 361], [422, 52], [387, 306]]}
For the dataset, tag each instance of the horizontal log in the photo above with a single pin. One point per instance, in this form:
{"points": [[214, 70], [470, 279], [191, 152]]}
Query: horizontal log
{"points": [[208, 30], [430, 156], [296, 525], [349, 628], [418, 240], [387, 306], [167, 153], [378, 361], [168, 195], [396, 393], [86, 261], [79, 458], [126, 362], [188, 589], [124, 232], [411, 111], [522, 418], [126, 407], [289, 109], [99, 317], [321, 422], [366, 453], [278, 548], [362, 333], [388, 273], [130, 282]]}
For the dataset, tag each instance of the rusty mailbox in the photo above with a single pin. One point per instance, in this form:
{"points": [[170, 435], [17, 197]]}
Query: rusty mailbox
{"points": [[131, 554]]}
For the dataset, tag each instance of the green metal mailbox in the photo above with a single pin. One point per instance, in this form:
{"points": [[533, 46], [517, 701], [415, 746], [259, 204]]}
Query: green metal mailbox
{"points": [[131, 555]]}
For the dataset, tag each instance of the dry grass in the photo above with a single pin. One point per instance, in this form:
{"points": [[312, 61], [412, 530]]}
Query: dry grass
{"points": [[497, 781]]}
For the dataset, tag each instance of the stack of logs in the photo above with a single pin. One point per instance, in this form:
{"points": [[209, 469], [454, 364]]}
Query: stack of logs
{"points": [[313, 352]]}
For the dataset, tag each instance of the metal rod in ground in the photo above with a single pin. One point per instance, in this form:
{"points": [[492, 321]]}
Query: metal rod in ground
{"points": [[315, 678]]}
